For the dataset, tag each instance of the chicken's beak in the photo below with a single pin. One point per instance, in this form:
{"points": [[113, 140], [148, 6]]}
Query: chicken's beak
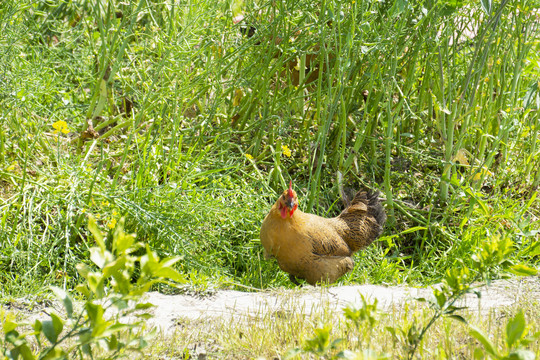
{"points": [[289, 203], [291, 206], [287, 208]]}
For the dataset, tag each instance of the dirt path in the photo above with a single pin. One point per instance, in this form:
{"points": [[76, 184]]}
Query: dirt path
{"points": [[227, 303], [170, 310]]}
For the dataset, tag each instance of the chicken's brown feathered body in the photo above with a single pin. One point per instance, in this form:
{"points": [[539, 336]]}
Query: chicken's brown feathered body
{"points": [[318, 249]]}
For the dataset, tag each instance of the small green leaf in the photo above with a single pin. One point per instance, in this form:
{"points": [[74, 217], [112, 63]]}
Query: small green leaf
{"points": [[522, 270], [452, 309], [124, 243], [488, 346], [144, 316], [83, 289], [9, 323], [534, 249], [440, 296], [169, 273], [95, 312], [521, 354], [83, 270], [62, 295], [12, 337], [25, 352], [478, 354], [170, 261], [398, 7], [458, 318], [320, 342], [112, 343], [37, 331], [115, 267], [391, 330], [57, 323], [100, 257], [92, 226], [55, 354], [37, 326], [515, 329], [144, 306], [450, 6], [95, 283], [52, 328]]}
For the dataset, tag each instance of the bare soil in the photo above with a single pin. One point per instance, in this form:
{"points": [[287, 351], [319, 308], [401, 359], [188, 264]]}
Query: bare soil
{"points": [[172, 310], [309, 299]]}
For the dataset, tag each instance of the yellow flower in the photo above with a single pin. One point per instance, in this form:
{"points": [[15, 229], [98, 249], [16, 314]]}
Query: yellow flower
{"points": [[481, 174], [249, 156], [61, 126], [286, 151], [112, 223]]}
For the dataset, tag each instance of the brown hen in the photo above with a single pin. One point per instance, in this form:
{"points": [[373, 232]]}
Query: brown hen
{"points": [[318, 249]]}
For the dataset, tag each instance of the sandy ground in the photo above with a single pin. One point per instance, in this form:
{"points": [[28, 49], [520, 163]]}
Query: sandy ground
{"points": [[228, 303], [171, 310]]}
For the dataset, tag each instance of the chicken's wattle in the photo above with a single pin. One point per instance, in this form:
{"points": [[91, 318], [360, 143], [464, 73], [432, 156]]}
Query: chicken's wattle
{"points": [[293, 209], [283, 211]]}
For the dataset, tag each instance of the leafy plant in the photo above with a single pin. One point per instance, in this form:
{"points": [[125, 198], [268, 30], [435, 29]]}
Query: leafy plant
{"points": [[516, 338], [460, 281], [320, 345], [110, 318], [363, 320]]}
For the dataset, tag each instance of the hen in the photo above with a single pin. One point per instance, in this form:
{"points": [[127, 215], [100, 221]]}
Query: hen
{"points": [[318, 249]]}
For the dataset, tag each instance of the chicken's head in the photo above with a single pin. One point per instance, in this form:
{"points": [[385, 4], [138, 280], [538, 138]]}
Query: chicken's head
{"points": [[288, 202]]}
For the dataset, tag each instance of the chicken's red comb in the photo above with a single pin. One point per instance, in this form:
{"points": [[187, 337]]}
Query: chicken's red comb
{"points": [[290, 189]]}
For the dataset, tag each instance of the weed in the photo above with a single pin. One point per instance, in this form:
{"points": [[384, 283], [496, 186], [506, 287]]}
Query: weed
{"points": [[112, 288]]}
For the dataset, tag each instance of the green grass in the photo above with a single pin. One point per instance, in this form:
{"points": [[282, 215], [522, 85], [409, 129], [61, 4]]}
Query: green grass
{"points": [[402, 90]]}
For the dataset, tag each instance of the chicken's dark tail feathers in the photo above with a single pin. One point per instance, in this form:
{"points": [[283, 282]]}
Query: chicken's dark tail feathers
{"points": [[374, 206]]}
